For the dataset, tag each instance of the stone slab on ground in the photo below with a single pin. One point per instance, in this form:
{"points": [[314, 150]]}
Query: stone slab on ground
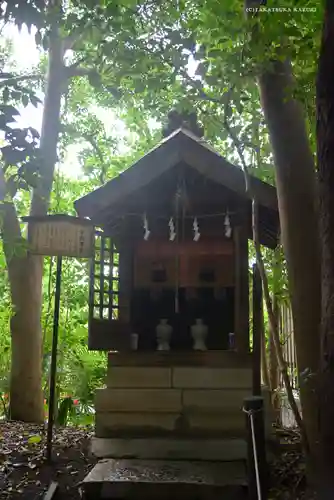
{"points": [[170, 448], [165, 479]]}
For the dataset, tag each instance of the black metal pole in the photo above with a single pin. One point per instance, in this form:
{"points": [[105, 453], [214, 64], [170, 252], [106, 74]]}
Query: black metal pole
{"points": [[52, 389]]}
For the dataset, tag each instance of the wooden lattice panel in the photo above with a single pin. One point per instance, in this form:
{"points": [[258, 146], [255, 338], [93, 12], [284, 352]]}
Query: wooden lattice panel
{"points": [[104, 280]]}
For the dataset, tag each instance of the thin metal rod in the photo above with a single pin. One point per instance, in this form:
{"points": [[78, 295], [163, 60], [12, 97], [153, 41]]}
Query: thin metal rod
{"points": [[256, 464], [53, 370]]}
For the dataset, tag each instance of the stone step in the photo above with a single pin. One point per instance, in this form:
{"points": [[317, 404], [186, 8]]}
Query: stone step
{"points": [[170, 400], [151, 479], [178, 377], [139, 424], [170, 448], [138, 400]]}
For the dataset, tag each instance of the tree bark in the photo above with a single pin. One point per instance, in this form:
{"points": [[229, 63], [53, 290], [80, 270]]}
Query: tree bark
{"points": [[273, 365], [325, 153], [26, 396], [296, 190], [25, 274], [264, 359]]}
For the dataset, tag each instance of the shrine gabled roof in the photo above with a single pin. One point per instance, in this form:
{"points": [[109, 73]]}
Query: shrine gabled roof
{"points": [[180, 146]]}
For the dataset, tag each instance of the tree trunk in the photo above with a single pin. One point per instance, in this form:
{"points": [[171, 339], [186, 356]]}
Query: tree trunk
{"points": [[264, 360], [296, 189], [325, 150], [274, 374], [26, 397], [25, 275], [273, 365]]}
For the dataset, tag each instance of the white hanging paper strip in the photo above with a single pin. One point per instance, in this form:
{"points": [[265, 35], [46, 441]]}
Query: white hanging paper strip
{"points": [[172, 233], [227, 224], [176, 303], [197, 234], [146, 229]]}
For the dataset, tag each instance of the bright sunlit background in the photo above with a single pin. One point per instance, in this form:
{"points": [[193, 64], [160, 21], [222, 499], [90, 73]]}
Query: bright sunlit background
{"points": [[25, 57]]}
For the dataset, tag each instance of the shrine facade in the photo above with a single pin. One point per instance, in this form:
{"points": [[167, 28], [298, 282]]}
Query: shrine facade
{"points": [[169, 289]]}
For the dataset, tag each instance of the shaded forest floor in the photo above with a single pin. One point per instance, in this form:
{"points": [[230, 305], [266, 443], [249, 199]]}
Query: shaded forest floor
{"points": [[287, 468], [24, 473]]}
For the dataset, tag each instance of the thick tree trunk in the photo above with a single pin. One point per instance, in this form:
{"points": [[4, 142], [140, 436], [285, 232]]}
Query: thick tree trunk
{"points": [[325, 150], [296, 190], [26, 397], [25, 275]]}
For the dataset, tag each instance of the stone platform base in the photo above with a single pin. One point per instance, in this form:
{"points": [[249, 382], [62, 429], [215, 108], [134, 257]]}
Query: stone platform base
{"points": [[152, 479], [170, 449]]}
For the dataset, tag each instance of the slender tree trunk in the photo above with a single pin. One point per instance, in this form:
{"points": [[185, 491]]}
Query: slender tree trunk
{"points": [[25, 275], [296, 190], [273, 365], [274, 375], [264, 360], [325, 150]]}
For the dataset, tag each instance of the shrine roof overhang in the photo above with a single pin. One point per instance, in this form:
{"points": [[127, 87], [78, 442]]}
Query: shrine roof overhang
{"points": [[182, 147]]}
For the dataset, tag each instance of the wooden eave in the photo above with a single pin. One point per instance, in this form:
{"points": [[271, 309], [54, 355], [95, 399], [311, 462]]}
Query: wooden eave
{"points": [[180, 147]]}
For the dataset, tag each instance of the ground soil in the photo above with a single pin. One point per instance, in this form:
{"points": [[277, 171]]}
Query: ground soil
{"points": [[25, 474], [24, 471]]}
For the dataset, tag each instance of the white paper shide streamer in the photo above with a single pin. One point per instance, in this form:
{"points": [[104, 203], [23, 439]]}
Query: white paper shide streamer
{"points": [[227, 224], [197, 234], [147, 232], [172, 233]]}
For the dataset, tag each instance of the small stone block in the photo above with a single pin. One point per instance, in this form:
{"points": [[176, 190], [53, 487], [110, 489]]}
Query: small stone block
{"points": [[138, 377], [212, 378], [138, 400], [108, 422], [218, 400], [229, 423]]}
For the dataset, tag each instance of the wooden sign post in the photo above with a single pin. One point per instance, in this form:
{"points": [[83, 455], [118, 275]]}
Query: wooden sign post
{"points": [[61, 236]]}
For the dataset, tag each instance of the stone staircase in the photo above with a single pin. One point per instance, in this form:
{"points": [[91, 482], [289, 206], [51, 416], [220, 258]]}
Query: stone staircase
{"points": [[164, 431], [182, 401]]}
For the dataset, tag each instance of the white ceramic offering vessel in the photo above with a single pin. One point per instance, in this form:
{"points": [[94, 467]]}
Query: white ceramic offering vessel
{"points": [[199, 332], [164, 333]]}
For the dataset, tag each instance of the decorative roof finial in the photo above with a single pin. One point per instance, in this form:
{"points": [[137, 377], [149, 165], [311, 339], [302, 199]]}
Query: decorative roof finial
{"points": [[184, 119]]}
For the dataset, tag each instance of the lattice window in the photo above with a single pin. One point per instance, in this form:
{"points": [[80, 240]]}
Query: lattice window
{"points": [[104, 279]]}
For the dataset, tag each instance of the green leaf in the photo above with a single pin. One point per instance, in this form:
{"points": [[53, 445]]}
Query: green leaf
{"points": [[64, 411], [35, 439], [5, 94], [45, 42], [25, 100], [12, 186], [38, 38], [94, 79], [35, 101]]}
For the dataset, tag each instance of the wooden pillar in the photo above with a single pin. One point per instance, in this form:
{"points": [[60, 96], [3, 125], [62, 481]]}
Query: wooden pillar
{"points": [[125, 271], [241, 300]]}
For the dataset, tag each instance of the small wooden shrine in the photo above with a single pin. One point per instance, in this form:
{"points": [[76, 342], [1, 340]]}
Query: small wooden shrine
{"points": [[173, 245]]}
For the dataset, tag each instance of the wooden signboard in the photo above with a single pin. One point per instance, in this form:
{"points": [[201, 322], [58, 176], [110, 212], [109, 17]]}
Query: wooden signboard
{"points": [[61, 235]]}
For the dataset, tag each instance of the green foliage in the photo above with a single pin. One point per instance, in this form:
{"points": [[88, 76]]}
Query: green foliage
{"points": [[140, 60], [22, 12], [5, 353]]}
